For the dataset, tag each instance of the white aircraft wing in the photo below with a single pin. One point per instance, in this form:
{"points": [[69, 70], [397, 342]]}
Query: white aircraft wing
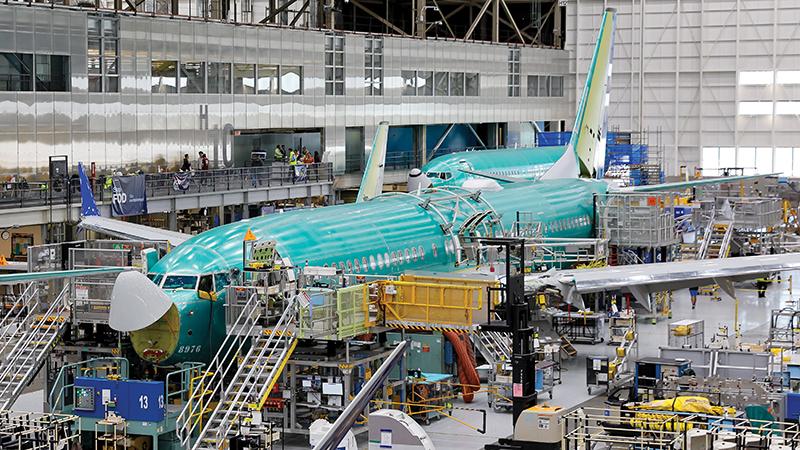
{"points": [[680, 185], [643, 279], [92, 220], [132, 231]]}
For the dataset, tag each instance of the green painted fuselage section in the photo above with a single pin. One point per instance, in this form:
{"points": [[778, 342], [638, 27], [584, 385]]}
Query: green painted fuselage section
{"points": [[390, 234], [528, 163]]}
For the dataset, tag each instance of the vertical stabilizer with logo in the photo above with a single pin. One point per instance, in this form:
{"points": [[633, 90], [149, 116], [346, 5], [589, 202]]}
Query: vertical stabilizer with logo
{"points": [[585, 153], [88, 206], [372, 182]]}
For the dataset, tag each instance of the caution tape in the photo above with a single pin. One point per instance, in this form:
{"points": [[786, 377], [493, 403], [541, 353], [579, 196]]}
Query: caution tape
{"points": [[442, 328]]}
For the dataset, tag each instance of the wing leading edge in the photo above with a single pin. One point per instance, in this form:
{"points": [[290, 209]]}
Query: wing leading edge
{"points": [[694, 183], [26, 277], [643, 279], [92, 220], [131, 231]]}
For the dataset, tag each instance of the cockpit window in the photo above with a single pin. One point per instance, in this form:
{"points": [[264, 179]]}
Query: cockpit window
{"points": [[180, 282], [221, 280], [440, 175], [206, 284], [156, 277]]}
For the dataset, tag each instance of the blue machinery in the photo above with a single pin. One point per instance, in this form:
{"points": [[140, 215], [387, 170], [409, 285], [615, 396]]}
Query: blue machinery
{"points": [[94, 388]]}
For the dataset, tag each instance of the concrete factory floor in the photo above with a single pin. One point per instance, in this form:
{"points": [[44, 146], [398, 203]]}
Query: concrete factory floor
{"points": [[448, 434], [754, 315]]}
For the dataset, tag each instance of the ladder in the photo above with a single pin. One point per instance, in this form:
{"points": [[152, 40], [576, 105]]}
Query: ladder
{"points": [[494, 346], [566, 347], [228, 393], [28, 340], [717, 242], [689, 252]]}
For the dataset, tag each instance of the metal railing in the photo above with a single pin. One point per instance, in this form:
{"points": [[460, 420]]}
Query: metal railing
{"points": [[17, 315], [190, 420], [39, 431], [394, 161], [31, 348], [67, 191], [434, 303], [60, 395], [264, 362], [637, 220]]}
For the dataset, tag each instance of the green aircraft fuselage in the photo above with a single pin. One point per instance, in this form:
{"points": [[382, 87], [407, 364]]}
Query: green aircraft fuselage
{"points": [[388, 235], [527, 163], [391, 233]]}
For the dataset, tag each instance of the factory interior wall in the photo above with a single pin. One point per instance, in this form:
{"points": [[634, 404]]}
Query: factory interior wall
{"points": [[18, 237], [246, 142]]}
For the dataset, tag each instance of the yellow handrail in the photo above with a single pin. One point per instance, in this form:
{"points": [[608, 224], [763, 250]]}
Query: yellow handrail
{"points": [[278, 372], [443, 303]]}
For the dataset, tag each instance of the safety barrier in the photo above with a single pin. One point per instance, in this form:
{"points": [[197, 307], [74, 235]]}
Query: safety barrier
{"points": [[422, 302], [354, 308], [167, 184]]}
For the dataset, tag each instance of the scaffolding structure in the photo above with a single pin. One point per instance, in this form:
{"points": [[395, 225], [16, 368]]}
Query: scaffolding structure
{"points": [[28, 430], [634, 157], [593, 428], [639, 227]]}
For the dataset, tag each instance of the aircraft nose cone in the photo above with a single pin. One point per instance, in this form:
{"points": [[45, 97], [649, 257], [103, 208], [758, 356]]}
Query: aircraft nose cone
{"points": [[136, 302]]}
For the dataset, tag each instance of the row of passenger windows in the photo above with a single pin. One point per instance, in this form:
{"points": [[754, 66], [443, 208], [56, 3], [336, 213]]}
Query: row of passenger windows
{"points": [[535, 171], [379, 261], [570, 223], [224, 78]]}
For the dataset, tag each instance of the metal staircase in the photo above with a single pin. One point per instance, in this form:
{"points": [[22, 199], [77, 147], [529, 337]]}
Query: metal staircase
{"points": [[17, 313], [228, 393], [494, 346], [717, 241], [27, 337]]}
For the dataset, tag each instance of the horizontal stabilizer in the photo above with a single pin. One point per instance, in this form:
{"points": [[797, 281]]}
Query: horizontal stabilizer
{"points": [[131, 231], [26, 277], [680, 185]]}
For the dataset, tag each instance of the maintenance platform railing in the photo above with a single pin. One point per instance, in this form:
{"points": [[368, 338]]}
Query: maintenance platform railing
{"points": [[422, 302], [565, 253], [90, 296], [637, 220], [22, 194]]}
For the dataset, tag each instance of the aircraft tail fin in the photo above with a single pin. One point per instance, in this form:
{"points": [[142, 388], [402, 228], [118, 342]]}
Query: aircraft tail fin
{"points": [[88, 206], [585, 153], [372, 182]]}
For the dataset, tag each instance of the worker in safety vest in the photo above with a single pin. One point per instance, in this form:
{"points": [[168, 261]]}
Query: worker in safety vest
{"points": [[761, 286], [293, 164], [279, 155]]}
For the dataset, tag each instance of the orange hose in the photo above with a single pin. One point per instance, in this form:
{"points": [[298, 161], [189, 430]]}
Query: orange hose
{"points": [[467, 374]]}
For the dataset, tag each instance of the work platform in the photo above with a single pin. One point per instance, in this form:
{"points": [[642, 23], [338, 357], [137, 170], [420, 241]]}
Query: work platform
{"points": [[204, 189]]}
